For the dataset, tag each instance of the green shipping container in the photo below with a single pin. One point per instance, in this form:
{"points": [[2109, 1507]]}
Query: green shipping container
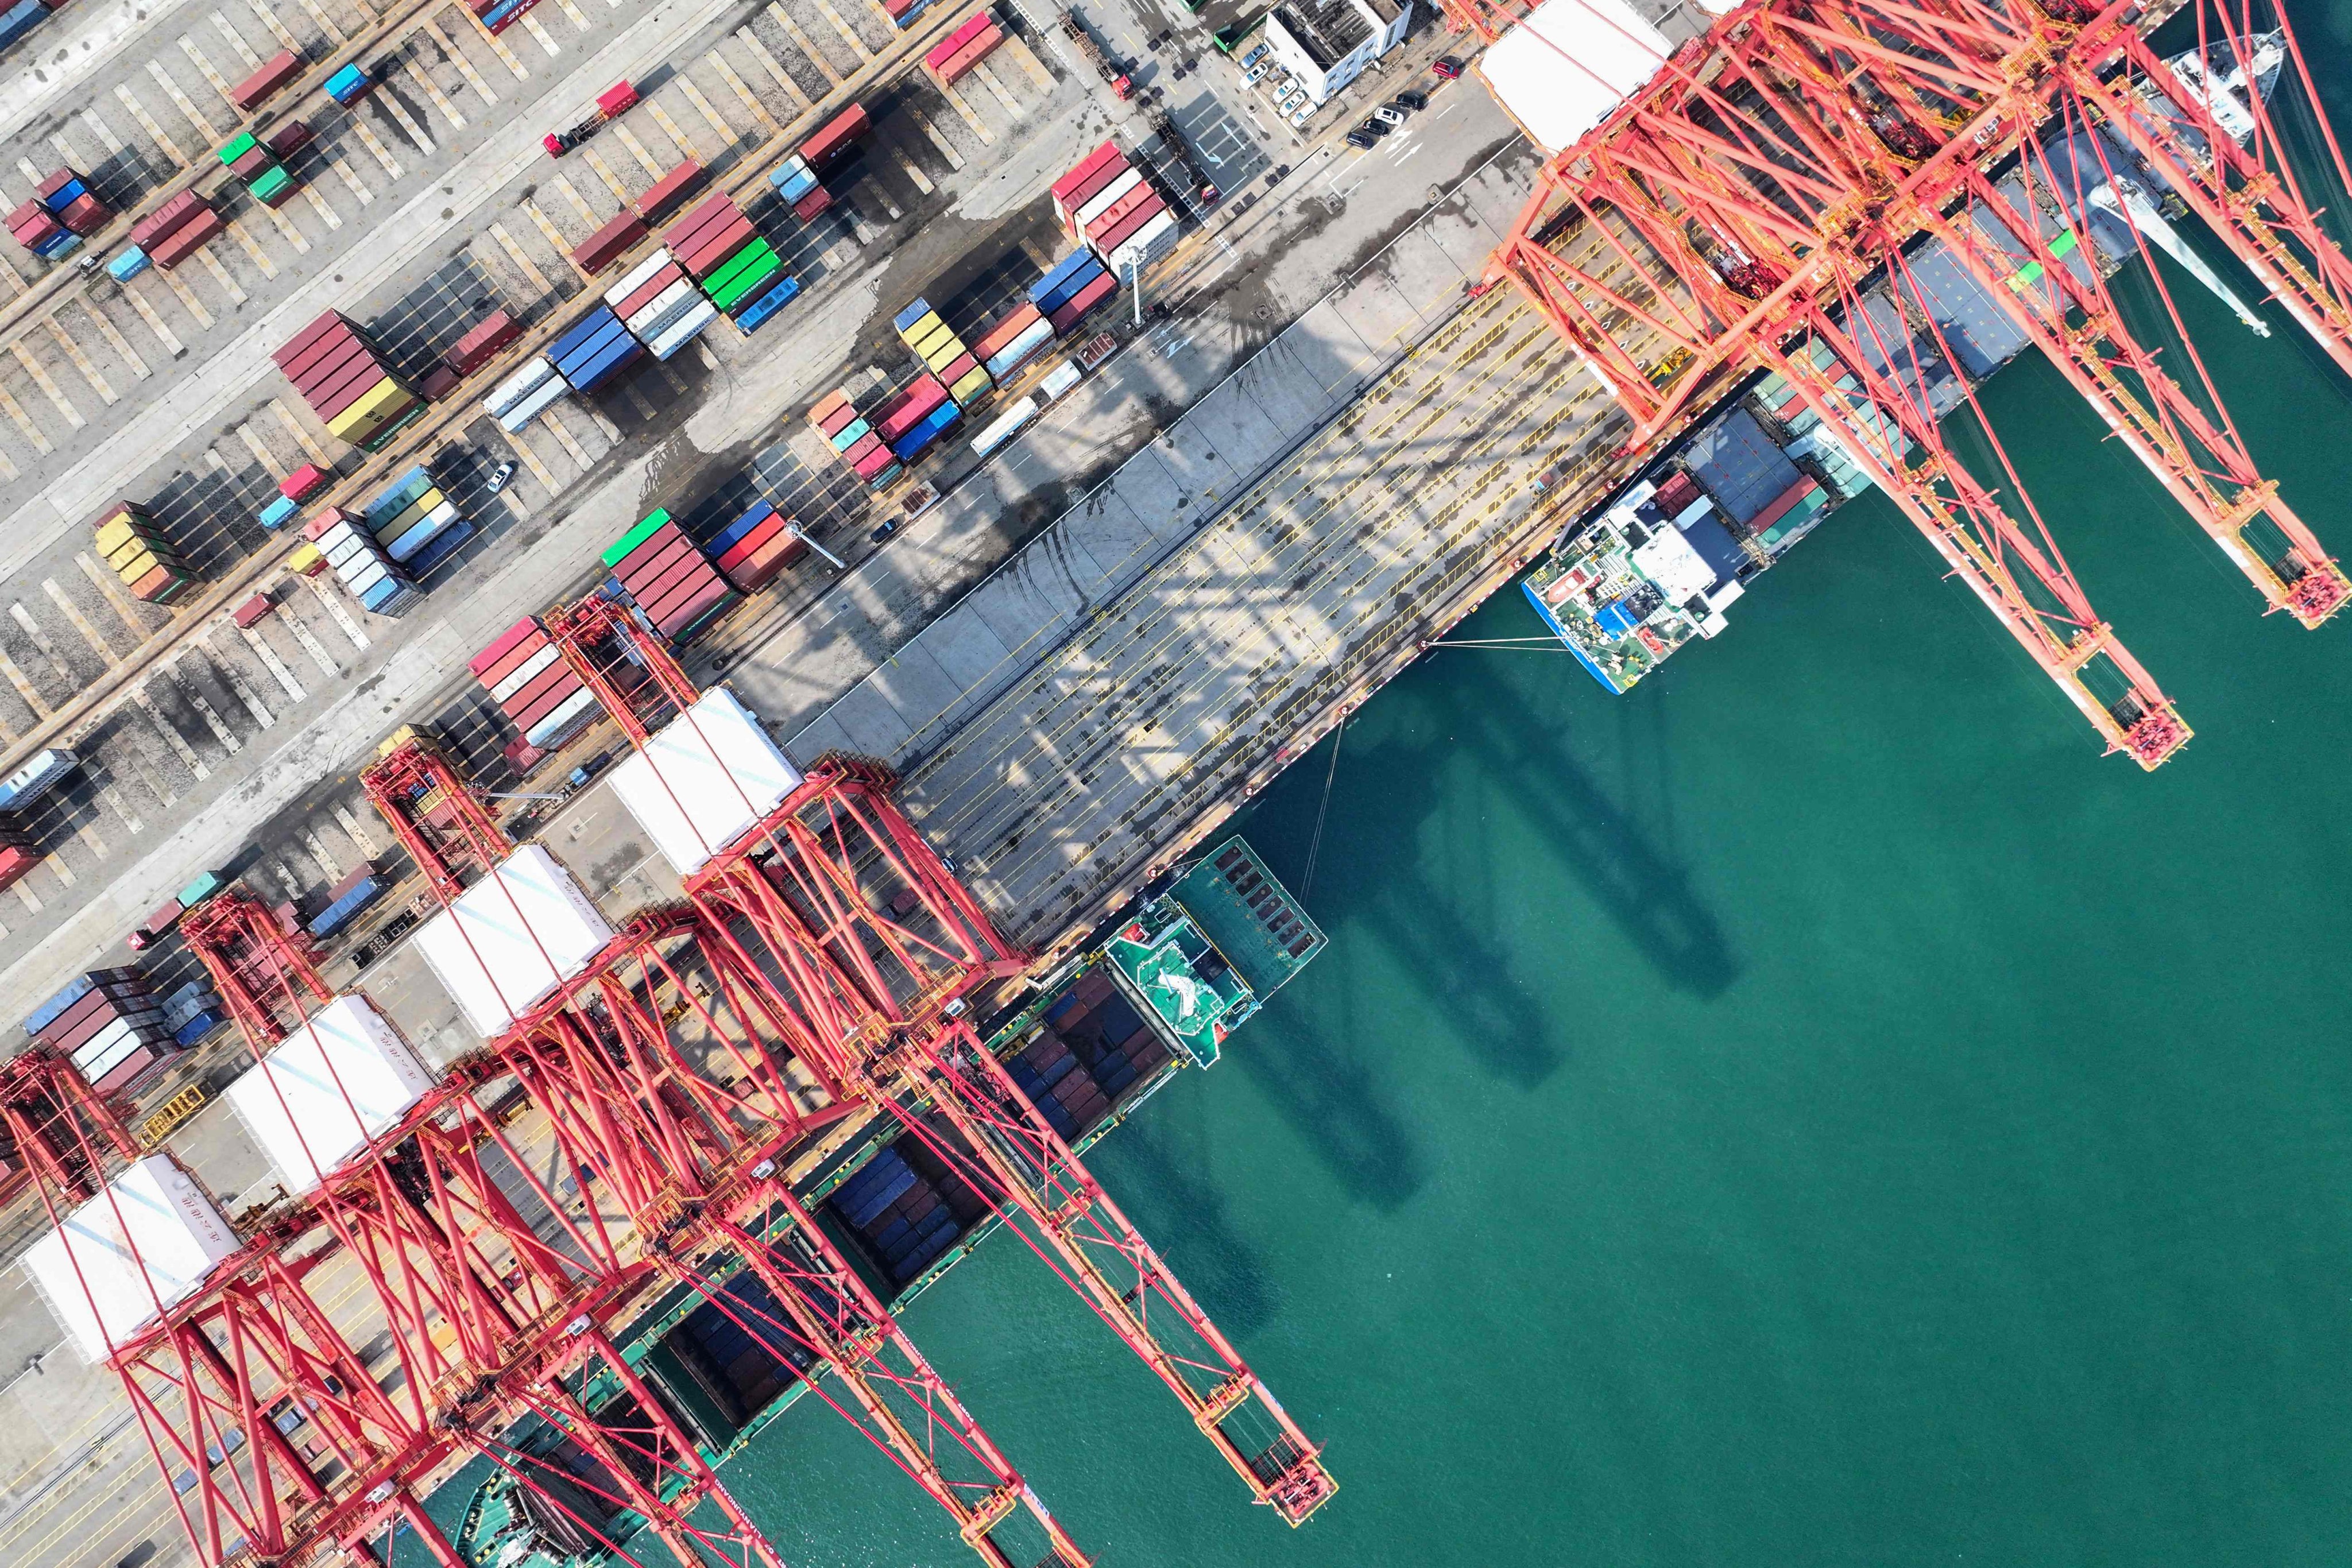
{"points": [[271, 185], [757, 276], [749, 256], [238, 149], [620, 549]]}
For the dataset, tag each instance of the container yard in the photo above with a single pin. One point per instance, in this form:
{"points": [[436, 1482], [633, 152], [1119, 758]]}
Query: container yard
{"points": [[823, 845]]}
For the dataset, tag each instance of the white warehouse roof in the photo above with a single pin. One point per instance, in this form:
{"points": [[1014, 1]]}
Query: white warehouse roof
{"points": [[512, 939], [102, 1278], [704, 779], [1561, 71], [342, 1078]]}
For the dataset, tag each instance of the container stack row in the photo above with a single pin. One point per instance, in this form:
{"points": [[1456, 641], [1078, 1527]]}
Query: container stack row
{"points": [[481, 343], [592, 351], [347, 383], [345, 900], [666, 575], [193, 1012], [265, 177], [1108, 204], [911, 420], [1013, 342], [367, 573], [740, 272], [61, 211], [906, 1212], [1071, 289], [942, 352], [172, 233], [135, 551], [349, 84], [660, 306], [852, 438], [755, 549], [109, 1025], [527, 677], [797, 183], [959, 51], [418, 525], [523, 396], [670, 190], [293, 491], [273, 74]]}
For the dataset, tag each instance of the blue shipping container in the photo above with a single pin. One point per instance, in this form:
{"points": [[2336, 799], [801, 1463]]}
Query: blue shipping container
{"points": [[752, 317], [48, 1012], [69, 192], [338, 915], [621, 355], [505, 11], [582, 332], [1061, 272], [63, 244], [196, 1028], [278, 513], [129, 265], [21, 20], [910, 314], [387, 597], [792, 181], [1069, 291], [923, 435], [424, 533], [590, 349], [734, 532], [444, 545], [394, 498], [346, 84]]}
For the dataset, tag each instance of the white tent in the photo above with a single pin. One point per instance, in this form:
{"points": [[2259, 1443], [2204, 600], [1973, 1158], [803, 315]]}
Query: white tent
{"points": [[704, 779], [102, 1277], [1561, 71], [342, 1078], [512, 939]]}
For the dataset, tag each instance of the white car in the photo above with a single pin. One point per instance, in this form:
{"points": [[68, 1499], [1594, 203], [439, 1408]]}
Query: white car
{"points": [[1258, 72], [1300, 116], [1388, 116]]}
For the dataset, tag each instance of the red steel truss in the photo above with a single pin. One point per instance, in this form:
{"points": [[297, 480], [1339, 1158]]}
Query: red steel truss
{"points": [[59, 1131], [880, 943], [1741, 208], [443, 825]]}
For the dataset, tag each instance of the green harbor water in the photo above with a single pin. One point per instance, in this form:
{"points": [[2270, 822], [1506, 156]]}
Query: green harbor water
{"points": [[1812, 1110]]}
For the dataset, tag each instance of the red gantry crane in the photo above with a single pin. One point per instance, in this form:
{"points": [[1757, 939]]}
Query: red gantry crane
{"points": [[1743, 206]]}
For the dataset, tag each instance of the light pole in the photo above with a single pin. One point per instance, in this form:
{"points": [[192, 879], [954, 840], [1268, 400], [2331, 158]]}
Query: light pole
{"points": [[800, 533]]}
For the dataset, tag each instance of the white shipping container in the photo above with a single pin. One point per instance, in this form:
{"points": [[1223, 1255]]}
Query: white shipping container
{"points": [[1005, 427], [104, 1051], [152, 1236], [560, 717], [704, 781], [537, 404], [512, 939], [685, 329], [341, 1079], [1059, 379], [1109, 197], [636, 278], [1033, 337], [512, 389], [1144, 246], [364, 574], [665, 304], [523, 674]]}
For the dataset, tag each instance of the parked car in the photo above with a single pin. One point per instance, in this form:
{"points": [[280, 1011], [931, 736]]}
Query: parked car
{"points": [[1389, 116], [1447, 67], [1301, 115], [1414, 102], [1374, 128], [499, 478], [1362, 140]]}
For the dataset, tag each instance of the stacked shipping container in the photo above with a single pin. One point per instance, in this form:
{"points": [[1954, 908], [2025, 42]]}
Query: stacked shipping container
{"points": [[415, 524], [594, 348], [1074, 285], [532, 685], [669, 191], [109, 1025], [797, 183], [1108, 203], [276, 72], [669, 579], [174, 232], [965, 48], [942, 352], [753, 550], [346, 383], [913, 419], [738, 271], [482, 342], [368, 572], [135, 551], [525, 396], [61, 211], [1013, 342], [853, 437], [659, 306]]}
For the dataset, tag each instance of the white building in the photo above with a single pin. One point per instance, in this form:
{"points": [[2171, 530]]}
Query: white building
{"points": [[1327, 44]]}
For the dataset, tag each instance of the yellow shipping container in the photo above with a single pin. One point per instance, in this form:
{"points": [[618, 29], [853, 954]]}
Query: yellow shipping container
{"points": [[408, 517], [975, 385], [929, 323], [377, 407], [929, 343], [136, 565], [304, 558], [114, 531]]}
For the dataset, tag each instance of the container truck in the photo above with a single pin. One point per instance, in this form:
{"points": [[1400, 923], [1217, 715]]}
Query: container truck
{"points": [[610, 104]]}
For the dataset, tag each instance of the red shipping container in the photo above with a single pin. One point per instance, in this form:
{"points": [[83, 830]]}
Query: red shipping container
{"points": [[327, 361], [762, 567], [710, 253], [906, 411], [1094, 171], [85, 214], [618, 99], [438, 383], [539, 695], [1080, 303], [683, 232], [51, 184], [878, 467], [125, 1077], [251, 162], [303, 483], [863, 449], [1108, 239], [970, 54], [513, 637], [275, 73], [690, 574], [1002, 336], [525, 656], [320, 522], [603, 249], [979, 23], [289, 139], [680, 617], [810, 205], [14, 862], [831, 412], [835, 136], [958, 367], [302, 340], [1118, 213], [669, 191], [740, 550], [192, 236], [661, 577], [332, 398], [655, 558], [27, 216], [485, 338], [156, 224], [253, 610], [37, 230], [653, 289], [521, 757]]}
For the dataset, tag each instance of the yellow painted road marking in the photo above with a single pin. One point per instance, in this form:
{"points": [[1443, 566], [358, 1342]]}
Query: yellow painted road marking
{"points": [[996, 87], [777, 15], [41, 378], [326, 27], [187, 105], [603, 172], [465, 67], [530, 460], [73, 158], [319, 205], [147, 123], [163, 334], [955, 159], [579, 20], [81, 361], [24, 687], [25, 895], [172, 737], [8, 469], [498, 47], [846, 30], [301, 435], [117, 341], [286, 229], [752, 106], [260, 450], [64, 873], [553, 423], [523, 262], [16, 411], [702, 107], [40, 636], [343, 168], [374, 144], [775, 70], [548, 231], [579, 203], [196, 57], [531, 24], [114, 798], [278, 670], [277, 28], [187, 298], [408, 124], [110, 588], [237, 42], [319, 852], [1018, 48], [628, 139], [969, 118], [253, 248], [908, 169], [669, 129], [220, 274], [440, 99]]}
